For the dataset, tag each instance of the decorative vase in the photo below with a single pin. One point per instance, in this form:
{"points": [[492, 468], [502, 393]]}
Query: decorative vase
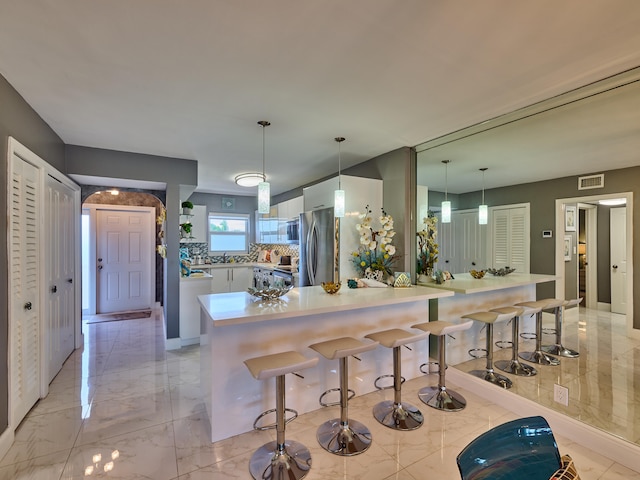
{"points": [[373, 274], [424, 278], [186, 211]]}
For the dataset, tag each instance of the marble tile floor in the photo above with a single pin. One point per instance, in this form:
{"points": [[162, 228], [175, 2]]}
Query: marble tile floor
{"points": [[123, 407]]}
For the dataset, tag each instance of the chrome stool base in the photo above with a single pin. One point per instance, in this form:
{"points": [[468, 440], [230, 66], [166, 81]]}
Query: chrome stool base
{"points": [[560, 351], [492, 377], [347, 439], [441, 398], [516, 368], [539, 357], [292, 462], [399, 416]]}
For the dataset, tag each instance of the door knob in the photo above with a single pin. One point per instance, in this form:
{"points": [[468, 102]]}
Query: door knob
{"points": [[54, 289], [615, 267], [69, 280], [99, 267], [27, 306], [99, 259]]}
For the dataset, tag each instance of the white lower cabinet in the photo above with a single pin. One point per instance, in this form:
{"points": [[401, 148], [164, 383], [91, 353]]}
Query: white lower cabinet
{"points": [[231, 279], [190, 288]]}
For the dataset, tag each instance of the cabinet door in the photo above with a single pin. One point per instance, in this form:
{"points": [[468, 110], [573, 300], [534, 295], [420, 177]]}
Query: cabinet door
{"points": [[220, 278], [240, 278], [320, 195], [296, 207]]}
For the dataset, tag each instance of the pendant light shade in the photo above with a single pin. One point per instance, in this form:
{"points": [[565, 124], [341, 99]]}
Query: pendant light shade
{"points": [[445, 211], [483, 210], [264, 189], [249, 179], [338, 196]]}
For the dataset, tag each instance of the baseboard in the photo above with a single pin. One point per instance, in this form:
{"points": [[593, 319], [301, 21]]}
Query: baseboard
{"points": [[604, 307], [620, 451], [6, 440], [172, 344]]}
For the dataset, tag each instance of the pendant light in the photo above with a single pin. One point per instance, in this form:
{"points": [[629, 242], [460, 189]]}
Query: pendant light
{"points": [[446, 205], [338, 197], [264, 193], [483, 210]]}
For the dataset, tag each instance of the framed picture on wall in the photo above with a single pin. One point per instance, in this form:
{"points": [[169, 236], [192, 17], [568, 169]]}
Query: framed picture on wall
{"points": [[567, 248], [570, 213]]}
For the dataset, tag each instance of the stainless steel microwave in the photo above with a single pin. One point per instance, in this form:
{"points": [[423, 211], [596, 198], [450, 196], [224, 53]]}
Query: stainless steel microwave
{"points": [[293, 231]]}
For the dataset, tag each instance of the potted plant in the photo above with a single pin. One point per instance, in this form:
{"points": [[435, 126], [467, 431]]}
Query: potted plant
{"points": [[186, 229], [187, 206]]}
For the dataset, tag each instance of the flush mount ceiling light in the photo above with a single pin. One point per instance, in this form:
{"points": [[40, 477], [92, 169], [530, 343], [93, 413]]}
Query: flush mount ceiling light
{"points": [[249, 179], [613, 202], [446, 205], [264, 193], [483, 210], [338, 197]]}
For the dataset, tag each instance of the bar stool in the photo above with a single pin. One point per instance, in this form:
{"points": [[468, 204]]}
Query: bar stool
{"points": [[343, 436], [538, 356], [281, 459], [488, 374], [439, 397], [395, 414], [514, 366], [558, 349]]}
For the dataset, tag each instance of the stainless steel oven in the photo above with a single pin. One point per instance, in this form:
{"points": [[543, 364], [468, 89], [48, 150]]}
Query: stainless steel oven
{"points": [[282, 278]]}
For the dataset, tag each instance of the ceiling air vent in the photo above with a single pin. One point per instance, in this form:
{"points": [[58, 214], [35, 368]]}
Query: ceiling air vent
{"points": [[591, 181]]}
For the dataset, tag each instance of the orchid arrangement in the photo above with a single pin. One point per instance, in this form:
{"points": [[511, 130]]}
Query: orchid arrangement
{"points": [[376, 250], [427, 246]]}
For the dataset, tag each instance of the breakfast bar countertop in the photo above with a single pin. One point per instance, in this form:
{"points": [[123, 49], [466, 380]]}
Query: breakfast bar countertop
{"points": [[465, 283], [240, 307]]}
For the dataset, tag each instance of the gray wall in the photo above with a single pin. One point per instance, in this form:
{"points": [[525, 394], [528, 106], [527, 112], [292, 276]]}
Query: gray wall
{"points": [[542, 197], [181, 178], [19, 120]]}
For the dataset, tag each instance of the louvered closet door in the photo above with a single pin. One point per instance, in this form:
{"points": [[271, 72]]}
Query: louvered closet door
{"points": [[510, 232], [59, 316], [24, 328]]}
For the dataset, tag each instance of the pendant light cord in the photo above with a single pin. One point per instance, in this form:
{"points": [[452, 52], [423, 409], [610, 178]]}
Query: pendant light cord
{"points": [[339, 140]]}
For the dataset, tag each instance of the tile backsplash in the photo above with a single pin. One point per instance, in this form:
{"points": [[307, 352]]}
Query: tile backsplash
{"points": [[252, 256]]}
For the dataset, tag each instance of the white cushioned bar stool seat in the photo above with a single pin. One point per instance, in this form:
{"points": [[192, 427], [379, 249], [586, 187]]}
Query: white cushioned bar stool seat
{"points": [[538, 356], [396, 414], [488, 374], [558, 348], [514, 366], [280, 459], [439, 397], [343, 436]]}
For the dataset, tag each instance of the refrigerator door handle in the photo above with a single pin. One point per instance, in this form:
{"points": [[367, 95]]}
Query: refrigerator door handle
{"points": [[312, 254]]}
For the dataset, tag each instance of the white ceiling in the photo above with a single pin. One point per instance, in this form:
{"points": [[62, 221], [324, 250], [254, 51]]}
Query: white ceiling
{"points": [[192, 78]]}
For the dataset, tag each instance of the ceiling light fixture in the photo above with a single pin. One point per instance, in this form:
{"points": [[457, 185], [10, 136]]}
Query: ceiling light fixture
{"points": [[612, 202], [338, 196], [483, 210], [446, 205], [264, 194], [249, 179]]}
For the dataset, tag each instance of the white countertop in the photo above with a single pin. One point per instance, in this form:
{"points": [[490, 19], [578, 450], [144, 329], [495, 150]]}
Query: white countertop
{"points": [[206, 266], [465, 283], [240, 307]]}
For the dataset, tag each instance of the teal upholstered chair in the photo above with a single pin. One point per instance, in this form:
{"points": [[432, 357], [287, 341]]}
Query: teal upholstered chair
{"points": [[520, 449]]}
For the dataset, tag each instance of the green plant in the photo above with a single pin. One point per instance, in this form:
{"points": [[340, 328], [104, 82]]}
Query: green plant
{"points": [[187, 204], [186, 227]]}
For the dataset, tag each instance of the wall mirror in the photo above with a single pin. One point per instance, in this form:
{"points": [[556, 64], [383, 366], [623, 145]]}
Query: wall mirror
{"points": [[540, 151]]}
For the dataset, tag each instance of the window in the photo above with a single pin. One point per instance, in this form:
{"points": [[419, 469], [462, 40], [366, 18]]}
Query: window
{"points": [[228, 233]]}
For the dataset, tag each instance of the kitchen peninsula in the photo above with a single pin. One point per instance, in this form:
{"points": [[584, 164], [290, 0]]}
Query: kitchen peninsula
{"points": [[235, 326], [475, 295]]}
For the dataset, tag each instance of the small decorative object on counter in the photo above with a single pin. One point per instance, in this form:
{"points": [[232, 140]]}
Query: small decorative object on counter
{"points": [[501, 272], [352, 283], [402, 279], [269, 293], [478, 274], [441, 276], [331, 287]]}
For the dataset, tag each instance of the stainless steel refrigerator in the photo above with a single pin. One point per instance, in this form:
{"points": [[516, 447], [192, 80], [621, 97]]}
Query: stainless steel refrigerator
{"points": [[319, 247]]}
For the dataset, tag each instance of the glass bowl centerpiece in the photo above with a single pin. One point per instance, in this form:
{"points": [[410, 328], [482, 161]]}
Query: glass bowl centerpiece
{"points": [[501, 272], [269, 293]]}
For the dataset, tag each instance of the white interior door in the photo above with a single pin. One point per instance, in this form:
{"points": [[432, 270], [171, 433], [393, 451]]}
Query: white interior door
{"points": [[24, 286], [618, 243], [124, 252], [61, 243]]}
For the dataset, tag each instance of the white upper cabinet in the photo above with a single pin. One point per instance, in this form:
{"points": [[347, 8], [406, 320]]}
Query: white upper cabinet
{"points": [[320, 195]]}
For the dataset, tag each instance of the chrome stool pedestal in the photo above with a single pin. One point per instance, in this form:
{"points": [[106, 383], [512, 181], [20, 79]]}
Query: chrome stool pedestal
{"points": [[558, 348], [396, 414], [439, 397], [488, 374], [515, 366], [538, 356], [279, 460], [343, 436]]}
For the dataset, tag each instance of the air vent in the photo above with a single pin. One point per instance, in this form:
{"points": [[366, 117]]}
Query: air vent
{"points": [[591, 181]]}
